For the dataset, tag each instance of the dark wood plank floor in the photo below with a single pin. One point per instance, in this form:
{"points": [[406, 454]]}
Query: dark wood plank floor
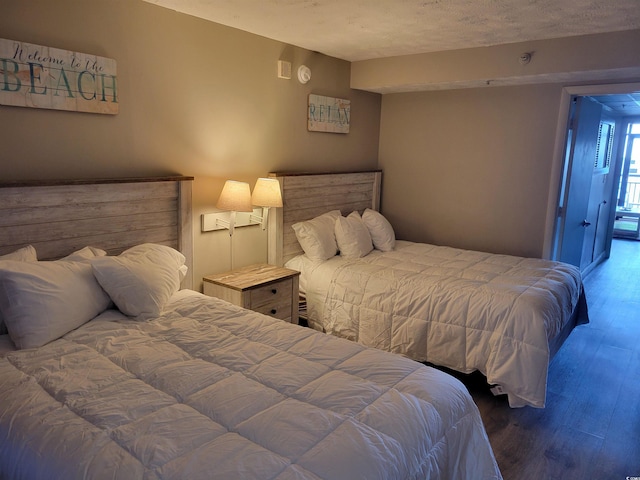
{"points": [[590, 428]]}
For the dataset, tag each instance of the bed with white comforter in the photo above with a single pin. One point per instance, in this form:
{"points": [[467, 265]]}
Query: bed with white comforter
{"points": [[460, 309], [205, 389]]}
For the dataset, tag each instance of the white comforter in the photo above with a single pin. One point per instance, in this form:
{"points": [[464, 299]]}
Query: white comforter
{"points": [[455, 308], [214, 391]]}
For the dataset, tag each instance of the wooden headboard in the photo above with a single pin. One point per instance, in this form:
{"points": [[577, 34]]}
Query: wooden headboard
{"points": [[307, 195], [59, 217]]}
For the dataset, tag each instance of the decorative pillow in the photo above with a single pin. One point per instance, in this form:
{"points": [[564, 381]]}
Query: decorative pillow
{"points": [[353, 237], [381, 231], [317, 236], [24, 254], [141, 279], [41, 301]]}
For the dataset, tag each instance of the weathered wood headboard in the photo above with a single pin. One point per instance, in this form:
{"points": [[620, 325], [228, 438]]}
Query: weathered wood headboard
{"points": [[307, 195], [59, 217]]}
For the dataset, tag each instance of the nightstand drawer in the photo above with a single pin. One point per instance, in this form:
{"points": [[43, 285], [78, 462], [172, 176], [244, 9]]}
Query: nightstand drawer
{"points": [[271, 294], [280, 309]]}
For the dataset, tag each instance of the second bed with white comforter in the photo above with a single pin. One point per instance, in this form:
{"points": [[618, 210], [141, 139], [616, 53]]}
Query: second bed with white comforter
{"points": [[460, 309]]}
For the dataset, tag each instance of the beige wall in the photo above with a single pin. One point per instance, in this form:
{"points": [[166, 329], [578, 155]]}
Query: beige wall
{"points": [[479, 167], [472, 158], [470, 168], [196, 98], [586, 58]]}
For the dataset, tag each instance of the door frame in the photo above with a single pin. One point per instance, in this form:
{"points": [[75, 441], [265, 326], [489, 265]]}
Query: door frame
{"points": [[558, 163]]}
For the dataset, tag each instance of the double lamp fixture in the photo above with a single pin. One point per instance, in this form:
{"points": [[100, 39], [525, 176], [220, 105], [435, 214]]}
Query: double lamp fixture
{"points": [[237, 197]]}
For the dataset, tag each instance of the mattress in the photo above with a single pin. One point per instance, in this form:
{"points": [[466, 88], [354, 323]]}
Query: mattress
{"points": [[455, 308], [209, 390]]}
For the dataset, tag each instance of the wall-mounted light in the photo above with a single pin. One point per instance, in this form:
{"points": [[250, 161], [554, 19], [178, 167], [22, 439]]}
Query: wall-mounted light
{"points": [[235, 197], [266, 194], [238, 204]]}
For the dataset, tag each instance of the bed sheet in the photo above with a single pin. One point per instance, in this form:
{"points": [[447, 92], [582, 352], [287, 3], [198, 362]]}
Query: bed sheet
{"points": [[210, 390], [460, 309], [315, 279]]}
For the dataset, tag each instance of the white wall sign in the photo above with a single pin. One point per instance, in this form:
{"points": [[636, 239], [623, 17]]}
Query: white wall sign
{"points": [[45, 77], [328, 114]]}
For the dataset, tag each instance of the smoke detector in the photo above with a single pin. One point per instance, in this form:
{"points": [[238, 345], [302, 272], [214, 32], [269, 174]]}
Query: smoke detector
{"points": [[304, 74]]}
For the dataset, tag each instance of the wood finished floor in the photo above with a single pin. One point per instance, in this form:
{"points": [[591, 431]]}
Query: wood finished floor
{"points": [[590, 427]]}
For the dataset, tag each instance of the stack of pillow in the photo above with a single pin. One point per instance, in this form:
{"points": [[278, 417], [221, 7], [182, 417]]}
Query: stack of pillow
{"points": [[353, 236], [41, 301]]}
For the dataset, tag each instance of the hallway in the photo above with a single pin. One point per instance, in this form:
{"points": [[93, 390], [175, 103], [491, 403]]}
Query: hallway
{"points": [[590, 427]]}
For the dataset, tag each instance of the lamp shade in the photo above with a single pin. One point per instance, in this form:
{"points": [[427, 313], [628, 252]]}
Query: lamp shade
{"points": [[266, 193], [235, 196]]}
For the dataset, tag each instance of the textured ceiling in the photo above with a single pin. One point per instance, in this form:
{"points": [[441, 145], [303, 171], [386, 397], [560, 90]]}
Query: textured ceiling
{"points": [[627, 104], [364, 29]]}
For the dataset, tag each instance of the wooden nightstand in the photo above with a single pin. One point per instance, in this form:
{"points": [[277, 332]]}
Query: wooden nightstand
{"points": [[264, 288]]}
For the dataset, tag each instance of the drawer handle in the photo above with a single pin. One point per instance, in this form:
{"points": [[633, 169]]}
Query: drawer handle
{"points": [[274, 290], [273, 311]]}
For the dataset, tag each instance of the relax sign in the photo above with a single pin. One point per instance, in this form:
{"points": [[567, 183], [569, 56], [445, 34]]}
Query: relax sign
{"points": [[328, 114], [44, 77]]}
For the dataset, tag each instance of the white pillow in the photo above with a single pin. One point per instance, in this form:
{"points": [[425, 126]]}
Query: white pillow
{"points": [[381, 231], [317, 236], [24, 254], [141, 279], [84, 254], [353, 237], [41, 301]]}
